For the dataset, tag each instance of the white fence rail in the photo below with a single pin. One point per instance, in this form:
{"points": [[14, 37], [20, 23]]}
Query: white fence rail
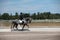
{"points": [[46, 20]]}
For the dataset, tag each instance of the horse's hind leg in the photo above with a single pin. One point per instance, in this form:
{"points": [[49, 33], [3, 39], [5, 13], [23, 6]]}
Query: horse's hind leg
{"points": [[12, 26]]}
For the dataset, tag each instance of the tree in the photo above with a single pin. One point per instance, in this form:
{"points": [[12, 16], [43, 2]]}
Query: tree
{"points": [[0, 16], [47, 15], [16, 15], [44, 15], [5, 16], [26, 15], [38, 15], [11, 16], [34, 16]]}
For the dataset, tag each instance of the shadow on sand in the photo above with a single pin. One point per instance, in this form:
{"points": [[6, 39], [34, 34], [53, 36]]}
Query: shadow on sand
{"points": [[20, 30]]}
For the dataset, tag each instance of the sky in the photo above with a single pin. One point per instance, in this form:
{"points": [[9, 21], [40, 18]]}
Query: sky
{"points": [[29, 6]]}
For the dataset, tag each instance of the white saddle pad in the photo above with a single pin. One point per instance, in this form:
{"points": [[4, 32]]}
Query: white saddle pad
{"points": [[20, 21]]}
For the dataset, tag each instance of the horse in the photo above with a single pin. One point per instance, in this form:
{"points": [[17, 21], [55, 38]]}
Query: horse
{"points": [[23, 22]]}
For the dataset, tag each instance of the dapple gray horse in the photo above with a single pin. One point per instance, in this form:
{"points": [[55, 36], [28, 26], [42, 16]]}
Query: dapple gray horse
{"points": [[23, 22]]}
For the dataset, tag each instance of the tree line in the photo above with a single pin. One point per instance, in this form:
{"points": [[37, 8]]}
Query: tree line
{"points": [[38, 15]]}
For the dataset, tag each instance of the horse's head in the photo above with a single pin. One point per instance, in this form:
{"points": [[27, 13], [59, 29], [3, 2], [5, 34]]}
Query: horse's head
{"points": [[29, 19]]}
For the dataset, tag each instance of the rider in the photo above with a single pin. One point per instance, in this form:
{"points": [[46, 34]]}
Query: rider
{"points": [[21, 17]]}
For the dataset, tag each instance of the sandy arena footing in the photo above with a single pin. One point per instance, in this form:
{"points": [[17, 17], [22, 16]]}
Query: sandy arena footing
{"points": [[33, 29]]}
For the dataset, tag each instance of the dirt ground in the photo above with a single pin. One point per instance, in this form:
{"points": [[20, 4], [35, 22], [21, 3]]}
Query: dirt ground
{"points": [[42, 24], [45, 24], [30, 36]]}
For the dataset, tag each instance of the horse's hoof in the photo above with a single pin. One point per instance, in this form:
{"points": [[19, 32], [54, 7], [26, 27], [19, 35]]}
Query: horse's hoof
{"points": [[21, 29]]}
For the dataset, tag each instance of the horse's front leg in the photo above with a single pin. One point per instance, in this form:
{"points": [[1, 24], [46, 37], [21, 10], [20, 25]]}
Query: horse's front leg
{"points": [[23, 26], [27, 25], [16, 26]]}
